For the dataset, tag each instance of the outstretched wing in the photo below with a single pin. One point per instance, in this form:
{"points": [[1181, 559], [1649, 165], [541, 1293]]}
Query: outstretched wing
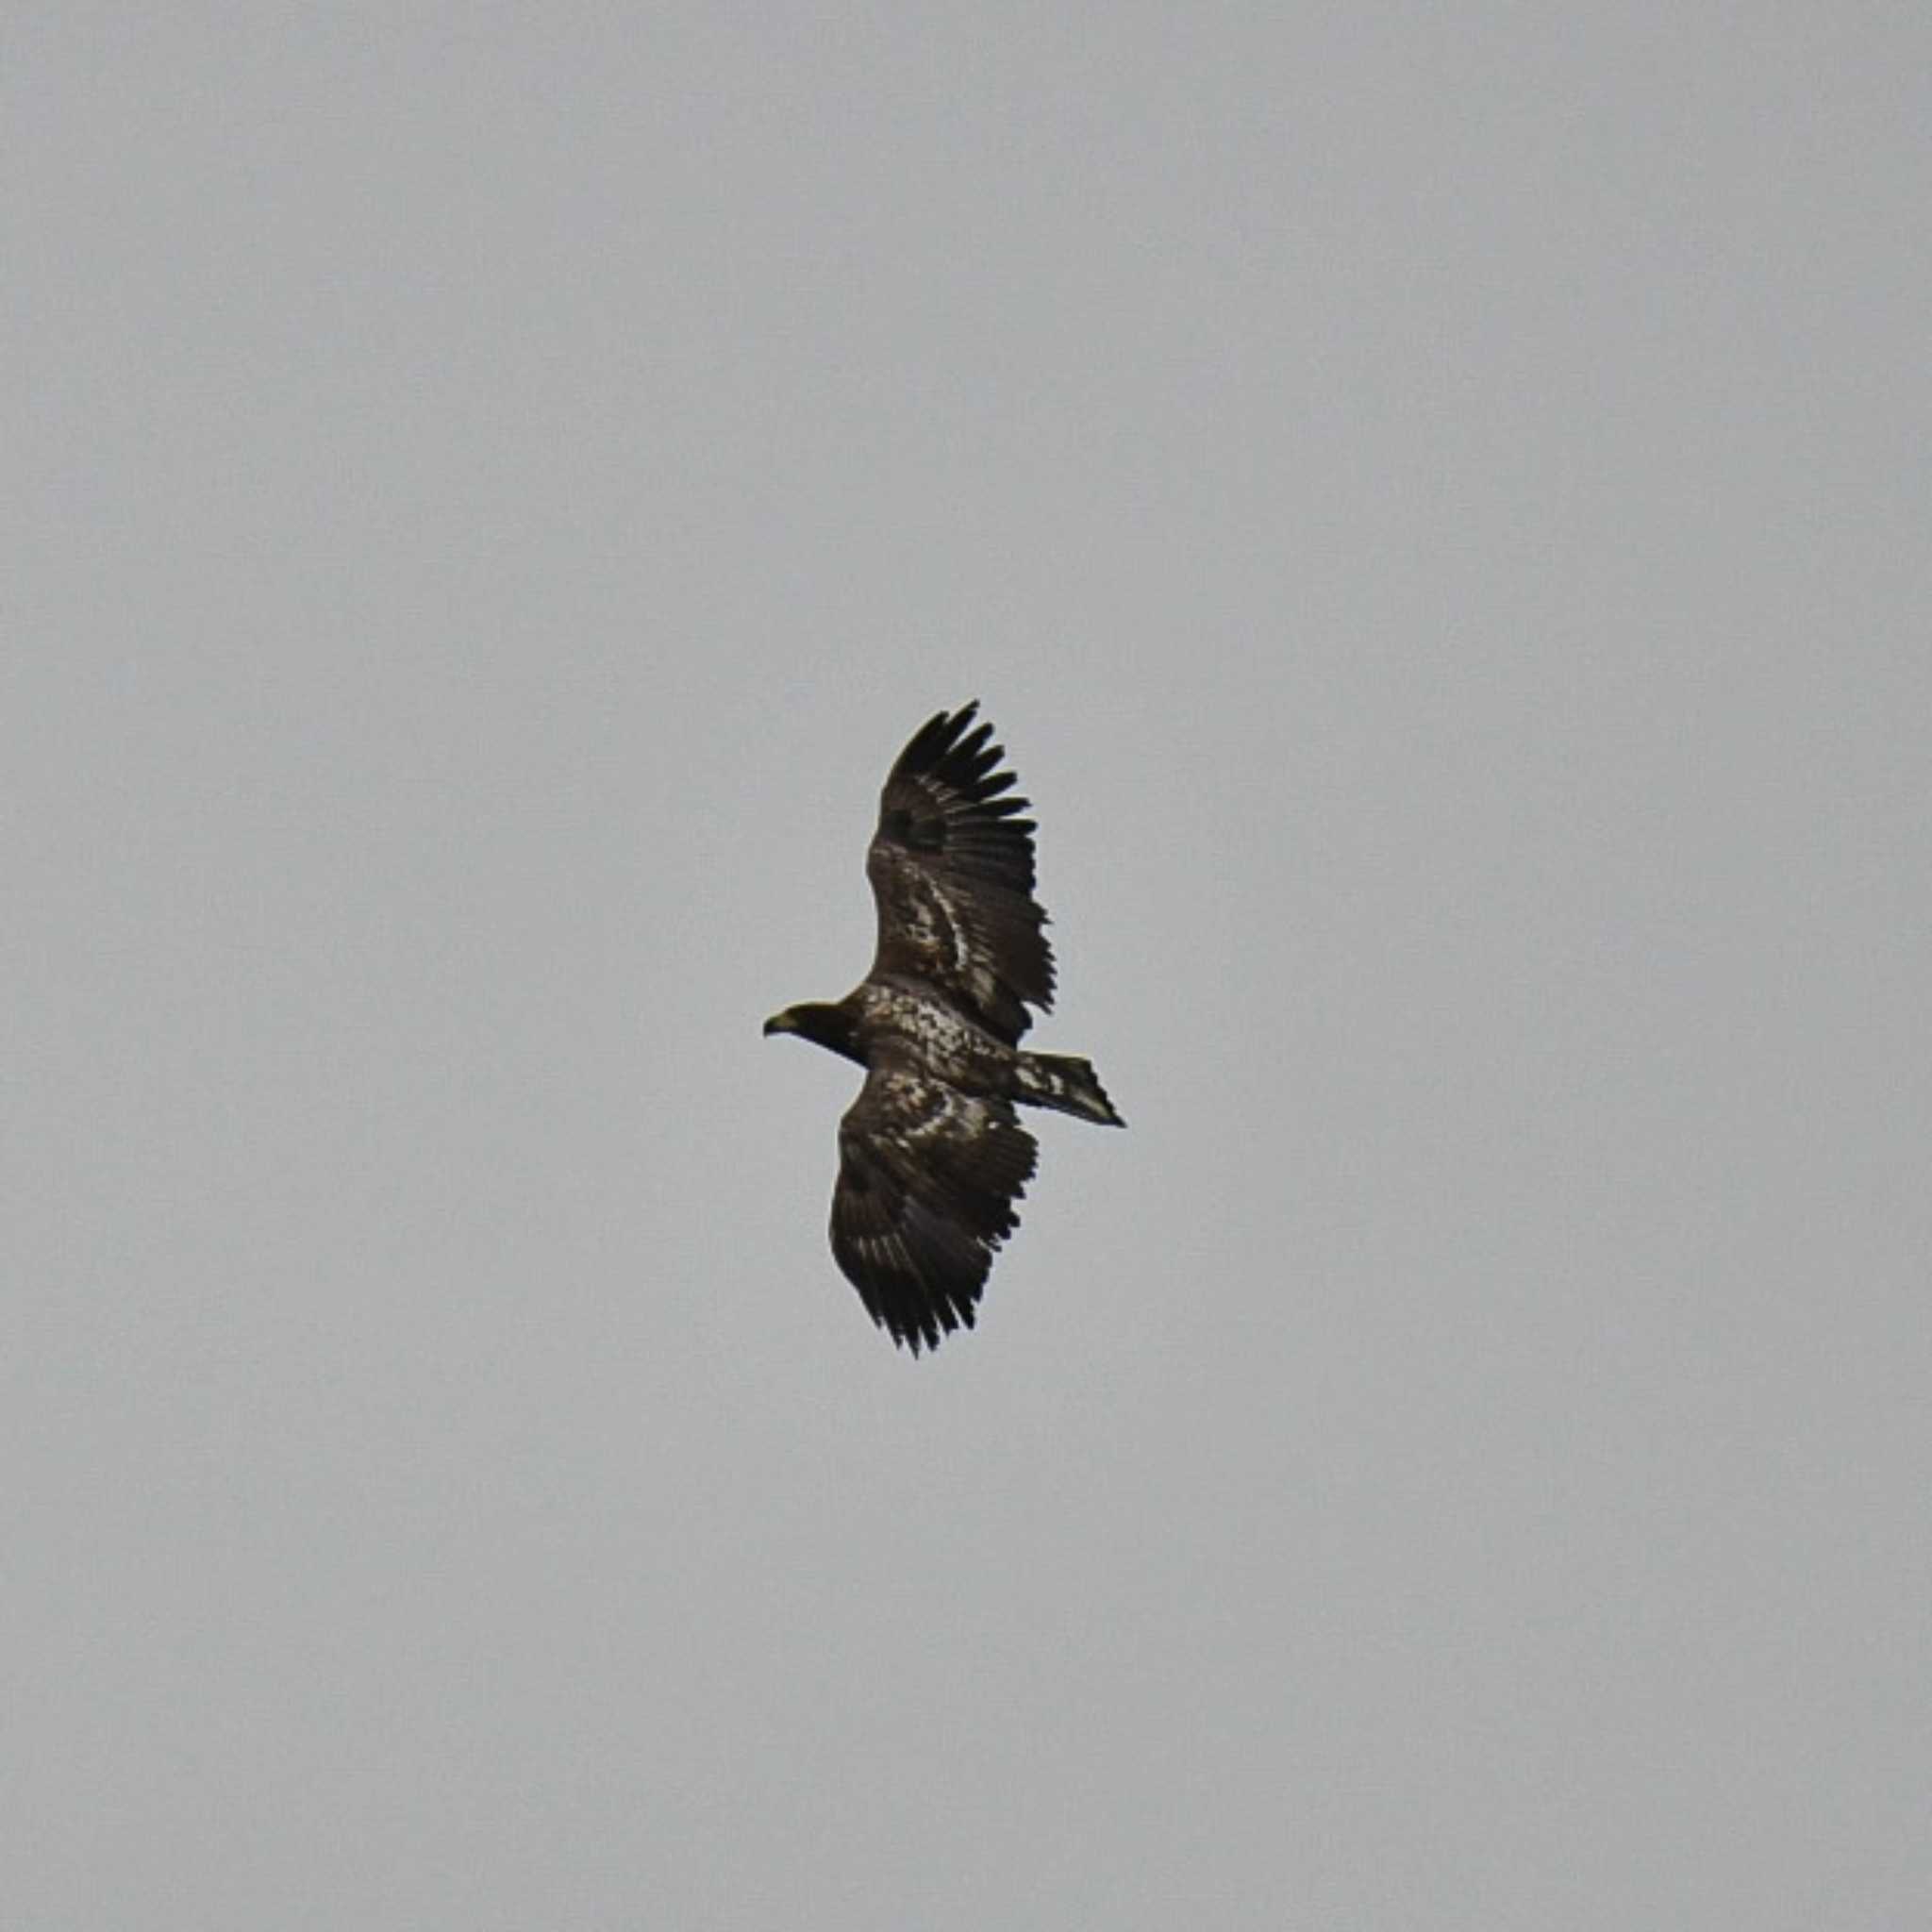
{"points": [[951, 867], [927, 1178]]}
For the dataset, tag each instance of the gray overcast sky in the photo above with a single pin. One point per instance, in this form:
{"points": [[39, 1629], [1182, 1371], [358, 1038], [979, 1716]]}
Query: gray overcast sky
{"points": [[1436, 501]]}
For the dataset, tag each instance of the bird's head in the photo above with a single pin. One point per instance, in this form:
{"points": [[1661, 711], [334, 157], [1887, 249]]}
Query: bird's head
{"points": [[824, 1025]]}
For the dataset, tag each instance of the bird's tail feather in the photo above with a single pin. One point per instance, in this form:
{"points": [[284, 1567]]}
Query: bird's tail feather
{"points": [[1061, 1080]]}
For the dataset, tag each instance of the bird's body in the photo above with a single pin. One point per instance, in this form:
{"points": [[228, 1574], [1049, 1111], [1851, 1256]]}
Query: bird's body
{"points": [[932, 1156]]}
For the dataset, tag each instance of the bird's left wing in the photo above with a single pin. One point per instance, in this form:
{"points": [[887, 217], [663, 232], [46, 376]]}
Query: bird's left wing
{"points": [[951, 867]]}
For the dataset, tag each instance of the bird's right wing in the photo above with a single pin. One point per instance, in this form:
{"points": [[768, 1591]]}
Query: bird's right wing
{"points": [[927, 1179]]}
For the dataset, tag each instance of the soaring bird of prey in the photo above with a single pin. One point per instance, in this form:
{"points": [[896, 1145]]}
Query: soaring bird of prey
{"points": [[931, 1154]]}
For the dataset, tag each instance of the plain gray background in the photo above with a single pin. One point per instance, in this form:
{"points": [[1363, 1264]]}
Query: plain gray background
{"points": [[1436, 502]]}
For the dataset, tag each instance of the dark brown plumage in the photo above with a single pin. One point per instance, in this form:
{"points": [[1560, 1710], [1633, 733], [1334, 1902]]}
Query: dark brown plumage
{"points": [[931, 1154]]}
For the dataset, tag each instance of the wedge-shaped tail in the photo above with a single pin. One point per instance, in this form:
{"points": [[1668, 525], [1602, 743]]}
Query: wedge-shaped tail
{"points": [[1061, 1080]]}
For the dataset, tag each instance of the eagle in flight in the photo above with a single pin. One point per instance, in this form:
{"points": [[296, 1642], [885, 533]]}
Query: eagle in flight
{"points": [[931, 1154]]}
